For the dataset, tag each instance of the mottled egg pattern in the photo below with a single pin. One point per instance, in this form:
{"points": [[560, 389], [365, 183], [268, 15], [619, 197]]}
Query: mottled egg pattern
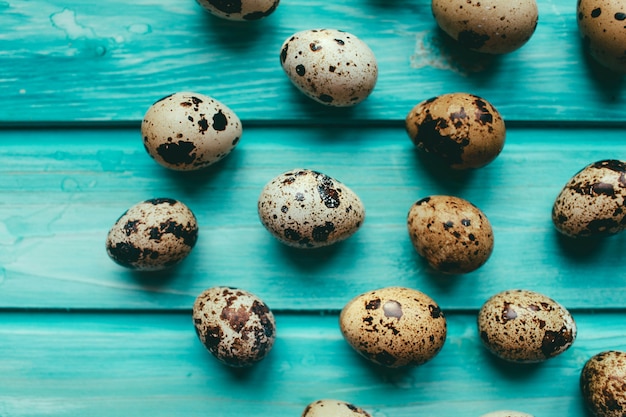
{"points": [[240, 10], [333, 408], [452, 234], [188, 131], [525, 326], [592, 201], [602, 24], [153, 235], [235, 325], [460, 130], [603, 384], [488, 26], [308, 209], [506, 413], [332, 67], [394, 326]]}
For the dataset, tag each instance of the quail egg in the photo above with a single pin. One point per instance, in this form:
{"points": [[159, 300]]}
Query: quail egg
{"points": [[592, 203], [506, 413], [525, 326], [236, 326], [603, 384], [240, 10], [330, 66], [333, 408], [188, 131], [308, 209], [153, 235], [602, 24], [394, 326]]}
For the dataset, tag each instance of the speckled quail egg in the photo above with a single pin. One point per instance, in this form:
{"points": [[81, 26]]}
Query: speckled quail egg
{"points": [[188, 131], [240, 10], [602, 24], [458, 129], [333, 408], [488, 26], [592, 203], [330, 66], [450, 233], [308, 209], [603, 384], [525, 326], [394, 326], [153, 235], [506, 413], [236, 326]]}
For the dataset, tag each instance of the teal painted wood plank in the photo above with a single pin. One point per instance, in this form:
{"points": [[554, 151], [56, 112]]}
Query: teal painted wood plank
{"points": [[67, 60], [63, 189], [58, 364]]}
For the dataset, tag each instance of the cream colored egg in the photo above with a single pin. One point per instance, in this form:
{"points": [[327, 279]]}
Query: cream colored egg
{"points": [[333, 408], [602, 24], [603, 384], [240, 10]]}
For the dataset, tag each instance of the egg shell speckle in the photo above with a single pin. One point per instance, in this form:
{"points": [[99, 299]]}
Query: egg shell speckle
{"points": [[602, 24], [333, 408], [461, 130], [153, 235], [330, 66], [525, 326], [592, 203], [187, 131], [603, 384], [452, 234], [240, 10], [506, 413], [488, 26], [394, 326], [235, 325], [307, 209]]}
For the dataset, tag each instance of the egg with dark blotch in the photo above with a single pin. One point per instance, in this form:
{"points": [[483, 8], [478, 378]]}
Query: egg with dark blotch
{"points": [[153, 235], [333, 408], [459, 130], [506, 413], [333, 67], [592, 203], [603, 384], [602, 25], [236, 326], [308, 209], [450, 233], [240, 10], [525, 326], [189, 131], [394, 326]]}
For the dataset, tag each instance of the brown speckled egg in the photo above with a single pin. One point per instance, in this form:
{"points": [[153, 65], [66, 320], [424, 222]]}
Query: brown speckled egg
{"points": [[603, 384], [506, 413], [234, 325], [394, 326], [188, 131], [333, 408], [592, 203], [153, 235], [330, 66], [489, 26], [525, 326], [240, 10], [452, 234], [460, 130], [602, 24], [308, 209]]}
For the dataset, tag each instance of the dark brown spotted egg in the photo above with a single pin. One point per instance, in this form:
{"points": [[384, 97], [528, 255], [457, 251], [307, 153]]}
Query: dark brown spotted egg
{"points": [[460, 130], [333, 408], [450, 233], [603, 384], [602, 24], [308, 209], [592, 203], [394, 326], [188, 131], [240, 10], [506, 413], [153, 235], [330, 66], [488, 26], [525, 326], [236, 326]]}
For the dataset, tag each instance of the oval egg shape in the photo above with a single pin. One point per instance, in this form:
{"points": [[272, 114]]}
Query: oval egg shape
{"points": [[602, 25], [240, 10], [333, 408], [603, 384]]}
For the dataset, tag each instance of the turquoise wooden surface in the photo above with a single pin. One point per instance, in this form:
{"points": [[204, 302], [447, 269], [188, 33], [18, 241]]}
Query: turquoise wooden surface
{"points": [[81, 336]]}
